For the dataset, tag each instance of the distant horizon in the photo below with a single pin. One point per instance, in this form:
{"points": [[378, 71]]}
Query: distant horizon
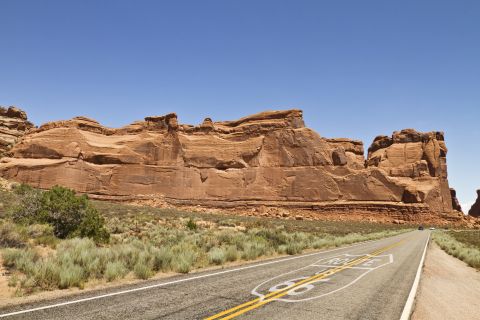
{"points": [[356, 69]]}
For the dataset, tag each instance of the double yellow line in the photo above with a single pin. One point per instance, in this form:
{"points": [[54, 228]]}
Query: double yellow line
{"points": [[258, 302]]}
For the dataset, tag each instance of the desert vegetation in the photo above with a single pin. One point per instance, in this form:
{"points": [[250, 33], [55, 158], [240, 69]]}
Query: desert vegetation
{"points": [[56, 239], [464, 245]]}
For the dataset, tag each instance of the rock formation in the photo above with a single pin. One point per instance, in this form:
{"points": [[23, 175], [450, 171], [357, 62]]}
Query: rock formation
{"points": [[475, 209], [269, 158], [13, 125], [455, 203]]}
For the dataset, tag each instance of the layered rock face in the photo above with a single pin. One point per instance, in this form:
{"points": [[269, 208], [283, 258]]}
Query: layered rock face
{"points": [[13, 125], [270, 157], [475, 209]]}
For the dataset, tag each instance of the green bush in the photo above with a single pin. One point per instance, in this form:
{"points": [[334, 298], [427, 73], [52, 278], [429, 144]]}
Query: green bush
{"points": [[191, 224], [92, 226], [63, 210], [69, 215], [28, 206]]}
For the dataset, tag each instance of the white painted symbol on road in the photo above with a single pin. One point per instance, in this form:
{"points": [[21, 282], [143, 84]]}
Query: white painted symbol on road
{"points": [[322, 287]]}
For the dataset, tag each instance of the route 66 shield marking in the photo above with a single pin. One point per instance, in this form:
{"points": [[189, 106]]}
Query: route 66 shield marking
{"points": [[322, 287]]}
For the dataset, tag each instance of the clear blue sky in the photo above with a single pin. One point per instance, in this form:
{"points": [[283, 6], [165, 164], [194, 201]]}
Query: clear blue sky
{"points": [[357, 68]]}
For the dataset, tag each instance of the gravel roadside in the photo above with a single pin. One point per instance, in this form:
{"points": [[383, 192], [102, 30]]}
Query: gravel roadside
{"points": [[449, 289]]}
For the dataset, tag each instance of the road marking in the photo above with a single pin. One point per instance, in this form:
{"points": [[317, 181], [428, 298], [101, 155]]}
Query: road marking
{"points": [[273, 297], [61, 304], [258, 302], [367, 271], [248, 303], [407, 310], [327, 266]]}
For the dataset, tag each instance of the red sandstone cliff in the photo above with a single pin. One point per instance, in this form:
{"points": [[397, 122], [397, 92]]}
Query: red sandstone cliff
{"points": [[13, 125], [475, 209], [270, 157]]}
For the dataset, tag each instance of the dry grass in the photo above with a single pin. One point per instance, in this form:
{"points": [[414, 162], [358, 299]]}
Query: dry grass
{"points": [[77, 261], [467, 249], [469, 237], [145, 241]]}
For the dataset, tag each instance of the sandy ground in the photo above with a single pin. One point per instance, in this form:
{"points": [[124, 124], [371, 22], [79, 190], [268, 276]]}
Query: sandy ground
{"points": [[449, 289], [5, 290]]}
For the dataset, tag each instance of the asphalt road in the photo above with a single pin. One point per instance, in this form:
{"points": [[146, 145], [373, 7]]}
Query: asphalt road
{"points": [[365, 281]]}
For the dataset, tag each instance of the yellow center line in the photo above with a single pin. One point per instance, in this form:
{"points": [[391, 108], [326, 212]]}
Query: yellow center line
{"points": [[288, 288], [258, 302]]}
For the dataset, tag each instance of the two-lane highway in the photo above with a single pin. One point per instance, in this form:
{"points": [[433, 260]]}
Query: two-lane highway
{"points": [[370, 280]]}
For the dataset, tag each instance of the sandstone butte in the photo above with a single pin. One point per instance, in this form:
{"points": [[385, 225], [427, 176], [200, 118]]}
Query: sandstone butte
{"points": [[475, 209], [269, 159]]}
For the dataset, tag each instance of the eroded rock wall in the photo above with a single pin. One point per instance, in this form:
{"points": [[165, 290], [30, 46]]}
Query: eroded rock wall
{"points": [[417, 161], [13, 125], [475, 209], [270, 156]]}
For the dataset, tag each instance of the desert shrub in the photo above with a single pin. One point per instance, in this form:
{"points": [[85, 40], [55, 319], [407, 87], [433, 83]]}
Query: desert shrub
{"points": [[184, 258], [254, 249], [172, 246], [142, 270], [216, 256], [10, 256], [22, 189], [115, 226], [71, 275], [11, 236], [191, 224], [92, 226], [115, 270], [294, 248], [127, 253], [28, 206], [13, 281], [38, 230], [69, 215], [63, 210], [274, 237], [47, 240], [231, 253], [162, 259], [21, 259], [46, 274]]}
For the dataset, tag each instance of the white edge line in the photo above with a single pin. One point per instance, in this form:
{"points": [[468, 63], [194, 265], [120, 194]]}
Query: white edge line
{"points": [[407, 310], [180, 280], [171, 282]]}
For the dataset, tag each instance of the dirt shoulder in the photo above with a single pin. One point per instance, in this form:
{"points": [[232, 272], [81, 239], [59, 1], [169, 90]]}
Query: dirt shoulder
{"points": [[449, 289]]}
